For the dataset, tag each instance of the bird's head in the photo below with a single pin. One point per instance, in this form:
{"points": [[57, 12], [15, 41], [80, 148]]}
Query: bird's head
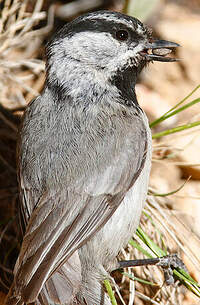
{"points": [[105, 45]]}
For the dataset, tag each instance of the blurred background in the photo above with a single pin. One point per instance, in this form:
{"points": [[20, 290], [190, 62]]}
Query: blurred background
{"points": [[25, 27]]}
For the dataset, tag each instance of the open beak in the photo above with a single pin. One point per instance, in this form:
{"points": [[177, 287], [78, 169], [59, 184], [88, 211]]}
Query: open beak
{"points": [[158, 51]]}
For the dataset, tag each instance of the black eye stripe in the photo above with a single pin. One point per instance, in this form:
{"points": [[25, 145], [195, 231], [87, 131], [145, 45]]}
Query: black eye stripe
{"points": [[98, 26], [122, 35]]}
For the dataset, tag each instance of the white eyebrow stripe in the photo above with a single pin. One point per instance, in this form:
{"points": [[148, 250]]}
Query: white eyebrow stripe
{"points": [[140, 29], [112, 18]]}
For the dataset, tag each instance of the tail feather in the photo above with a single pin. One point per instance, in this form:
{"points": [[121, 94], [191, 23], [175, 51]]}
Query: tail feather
{"points": [[66, 289], [71, 284], [60, 288], [92, 291], [64, 284]]}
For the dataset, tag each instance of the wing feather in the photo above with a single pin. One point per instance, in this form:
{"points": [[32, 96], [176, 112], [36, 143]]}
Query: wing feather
{"points": [[62, 217]]}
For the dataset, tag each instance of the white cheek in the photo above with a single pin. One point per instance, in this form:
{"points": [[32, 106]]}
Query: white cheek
{"points": [[124, 59], [92, 48], [89, 57]]}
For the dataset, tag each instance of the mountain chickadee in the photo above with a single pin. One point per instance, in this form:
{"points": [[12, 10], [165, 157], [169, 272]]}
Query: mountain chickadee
{"points": [[84, 160]]}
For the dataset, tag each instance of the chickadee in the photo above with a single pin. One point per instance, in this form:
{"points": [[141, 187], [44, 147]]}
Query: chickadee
{"points": [[84, 160]]}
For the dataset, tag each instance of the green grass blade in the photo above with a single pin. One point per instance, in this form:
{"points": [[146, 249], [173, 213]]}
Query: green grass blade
{"points": [[170, 193], [149, 242], [156, 229], [134, 278], [188, 281], [110, 292], [175, 129], [180, 274], [165, 115], [163, 118], [139, 248]]}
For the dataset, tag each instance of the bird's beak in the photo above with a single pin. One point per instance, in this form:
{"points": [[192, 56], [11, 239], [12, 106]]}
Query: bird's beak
{"points": [[158, 50]]}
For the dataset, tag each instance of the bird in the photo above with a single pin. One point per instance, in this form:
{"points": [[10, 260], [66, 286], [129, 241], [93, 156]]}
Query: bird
{"points": [[84, 159]]}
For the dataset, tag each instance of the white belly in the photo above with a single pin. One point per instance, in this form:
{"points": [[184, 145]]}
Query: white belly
{"points": [[115, 234]]}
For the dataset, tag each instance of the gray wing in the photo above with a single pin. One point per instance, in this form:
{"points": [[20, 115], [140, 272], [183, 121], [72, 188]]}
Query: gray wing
{"points": [[68, 196]]}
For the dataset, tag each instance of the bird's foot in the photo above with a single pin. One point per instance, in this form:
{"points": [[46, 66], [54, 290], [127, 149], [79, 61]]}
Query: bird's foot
{"points": [[168, 263]]}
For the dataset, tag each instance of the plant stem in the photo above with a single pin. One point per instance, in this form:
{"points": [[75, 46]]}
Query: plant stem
{"points": [[177, 111], [171, 193], [175, 129], [110, 292], [168, 113]]}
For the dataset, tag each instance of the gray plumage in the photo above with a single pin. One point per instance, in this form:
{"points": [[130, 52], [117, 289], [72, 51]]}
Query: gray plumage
{"points": [[84, 162]]}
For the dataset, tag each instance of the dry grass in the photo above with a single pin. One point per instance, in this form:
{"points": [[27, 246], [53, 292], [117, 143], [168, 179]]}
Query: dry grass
{"points": [[21, 74], [20, 43]]}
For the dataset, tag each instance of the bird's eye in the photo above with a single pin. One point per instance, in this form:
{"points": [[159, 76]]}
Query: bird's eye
{"points": [[122, 35]]}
